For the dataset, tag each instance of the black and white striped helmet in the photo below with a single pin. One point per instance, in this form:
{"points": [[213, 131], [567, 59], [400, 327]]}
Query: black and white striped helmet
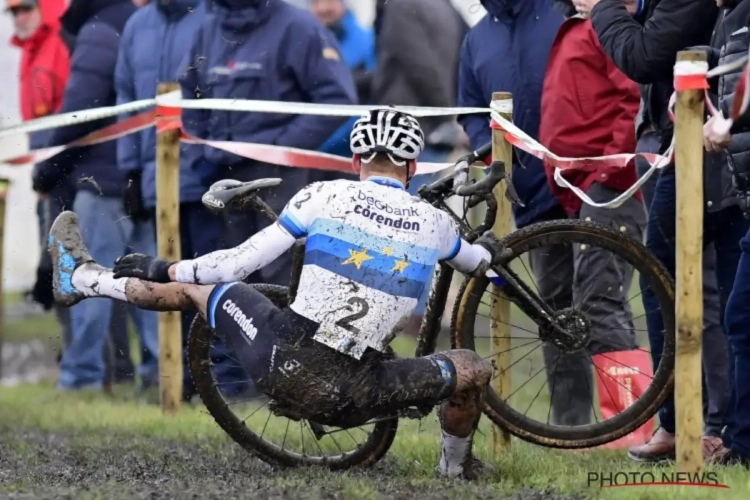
{"points": [[389, 131]]}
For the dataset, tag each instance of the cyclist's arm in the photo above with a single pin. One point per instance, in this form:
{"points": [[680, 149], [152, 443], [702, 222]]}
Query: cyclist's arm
{"points": [[260, 250], [236, 263], [458, 253]]}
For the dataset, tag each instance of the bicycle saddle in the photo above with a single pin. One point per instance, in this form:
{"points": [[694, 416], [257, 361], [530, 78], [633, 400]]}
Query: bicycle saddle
{"points": [[224, 192]]}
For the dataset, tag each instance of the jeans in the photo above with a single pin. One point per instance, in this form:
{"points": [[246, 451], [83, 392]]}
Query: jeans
{"points": [[107, 233], [716, 362], [737, 325], [723, 229], [201, 233]]}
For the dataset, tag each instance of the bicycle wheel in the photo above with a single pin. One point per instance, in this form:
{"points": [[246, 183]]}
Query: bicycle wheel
{"points": [[264, 444], [465, 331]]}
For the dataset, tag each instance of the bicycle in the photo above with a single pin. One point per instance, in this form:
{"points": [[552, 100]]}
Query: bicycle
{"points": [[566, 329]]}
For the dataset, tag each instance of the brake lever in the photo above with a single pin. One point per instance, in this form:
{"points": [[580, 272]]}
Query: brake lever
{"points": [[511, 194]]}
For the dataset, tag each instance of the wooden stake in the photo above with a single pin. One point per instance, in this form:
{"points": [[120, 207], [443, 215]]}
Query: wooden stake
{"points": [[4, 185], [500, 306], [689, 268], [168, 243]]}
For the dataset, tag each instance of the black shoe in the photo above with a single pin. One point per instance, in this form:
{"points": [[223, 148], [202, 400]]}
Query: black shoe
{"points": [[68, 254]]}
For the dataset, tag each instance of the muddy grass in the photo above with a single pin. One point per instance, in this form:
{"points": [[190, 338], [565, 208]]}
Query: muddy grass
{"points": [[91, 446]]}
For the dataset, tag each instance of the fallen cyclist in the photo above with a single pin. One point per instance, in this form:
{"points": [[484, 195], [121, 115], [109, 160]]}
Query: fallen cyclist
{"points": [[371, 249]]}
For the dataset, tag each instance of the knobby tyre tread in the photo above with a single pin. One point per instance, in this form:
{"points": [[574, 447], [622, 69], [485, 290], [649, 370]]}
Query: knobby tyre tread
{"points": [[198, 349], [501, 413]]}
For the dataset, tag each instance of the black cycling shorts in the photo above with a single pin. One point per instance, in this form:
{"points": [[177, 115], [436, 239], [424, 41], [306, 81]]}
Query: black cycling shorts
{"points": [[309, 380]]}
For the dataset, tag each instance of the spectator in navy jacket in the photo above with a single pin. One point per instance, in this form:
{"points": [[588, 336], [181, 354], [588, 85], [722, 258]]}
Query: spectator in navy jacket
{"points": [[507, 51], [97, 25], [266, 50], [151, 50]]}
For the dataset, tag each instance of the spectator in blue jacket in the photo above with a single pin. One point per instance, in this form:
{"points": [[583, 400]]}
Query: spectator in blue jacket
{"points": [[507, 51], [358, 51], [96, 26], [267, 50], [152, 48]]}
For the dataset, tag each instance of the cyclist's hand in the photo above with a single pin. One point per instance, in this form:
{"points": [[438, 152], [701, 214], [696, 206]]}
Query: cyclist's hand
{"points": [[145, 267], [490, 242]]}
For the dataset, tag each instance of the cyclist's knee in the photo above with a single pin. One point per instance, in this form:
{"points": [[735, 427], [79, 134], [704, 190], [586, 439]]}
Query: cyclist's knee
{"points": [[471, 370]]}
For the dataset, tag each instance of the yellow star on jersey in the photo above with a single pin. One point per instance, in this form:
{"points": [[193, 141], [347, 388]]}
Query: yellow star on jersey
{"points": [[387, 251], [358, 257], [400, 265]]}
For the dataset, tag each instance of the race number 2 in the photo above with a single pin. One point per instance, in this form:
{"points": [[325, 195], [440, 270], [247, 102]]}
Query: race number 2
{"points": [[346, 321]]}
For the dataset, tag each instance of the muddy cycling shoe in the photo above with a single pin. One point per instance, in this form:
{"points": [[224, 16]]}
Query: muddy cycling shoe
{"points": [[472, 469], [68, 254]]}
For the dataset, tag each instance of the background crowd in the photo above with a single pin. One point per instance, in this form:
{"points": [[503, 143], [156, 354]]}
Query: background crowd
{"points": [[583, 85]]}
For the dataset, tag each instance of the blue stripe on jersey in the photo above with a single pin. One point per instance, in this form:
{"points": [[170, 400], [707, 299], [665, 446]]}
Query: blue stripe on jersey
{"points": [[455, 250], [293, 226], [356, 236], [395, 266], [395, 285]]}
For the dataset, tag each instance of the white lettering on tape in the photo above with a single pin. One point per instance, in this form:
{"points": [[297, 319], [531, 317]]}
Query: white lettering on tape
{"points": [[239, 317]]}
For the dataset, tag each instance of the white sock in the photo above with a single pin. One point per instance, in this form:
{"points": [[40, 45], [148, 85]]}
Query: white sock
{"points": [[454, 454], [95, 281]]}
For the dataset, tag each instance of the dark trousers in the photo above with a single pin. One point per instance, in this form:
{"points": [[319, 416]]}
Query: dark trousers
{"points": [[716, 359], [723, 229], [594, 281], [737, 325]]}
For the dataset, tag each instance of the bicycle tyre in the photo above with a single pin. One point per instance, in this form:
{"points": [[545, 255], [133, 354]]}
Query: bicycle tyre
{"points": [[646, 406], [199, 347]]}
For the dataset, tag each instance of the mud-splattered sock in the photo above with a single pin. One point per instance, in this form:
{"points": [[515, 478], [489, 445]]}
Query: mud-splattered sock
{"points": [[454, 454], [93, 280]]}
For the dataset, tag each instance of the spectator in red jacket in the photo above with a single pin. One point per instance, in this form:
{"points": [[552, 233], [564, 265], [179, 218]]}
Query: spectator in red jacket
{"points": [[588, 109], [45, 65], [45, 61]]}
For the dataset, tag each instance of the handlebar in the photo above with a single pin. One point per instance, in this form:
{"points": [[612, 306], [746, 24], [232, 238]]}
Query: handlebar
{"points": [[458, 182]]}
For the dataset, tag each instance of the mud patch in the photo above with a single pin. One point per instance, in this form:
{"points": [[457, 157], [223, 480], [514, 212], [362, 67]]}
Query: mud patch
{"points": [[41, 465]]}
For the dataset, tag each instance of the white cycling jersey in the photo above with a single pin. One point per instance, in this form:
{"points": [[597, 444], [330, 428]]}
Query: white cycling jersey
{"points": [[371, 249]]}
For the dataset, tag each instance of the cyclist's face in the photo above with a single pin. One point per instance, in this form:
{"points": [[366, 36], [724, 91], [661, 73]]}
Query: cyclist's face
{"points": [[329, 12]]}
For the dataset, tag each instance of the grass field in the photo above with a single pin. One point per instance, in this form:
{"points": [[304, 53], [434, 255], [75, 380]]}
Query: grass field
{"points": [[90, 446]]}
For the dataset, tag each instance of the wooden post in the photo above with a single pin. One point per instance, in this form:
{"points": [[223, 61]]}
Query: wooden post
{"points": [[500, 306], [689, 268], [168, 242], [4, 184]]}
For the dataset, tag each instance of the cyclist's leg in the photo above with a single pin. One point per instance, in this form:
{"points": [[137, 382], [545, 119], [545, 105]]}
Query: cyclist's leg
{"points": [[459, 414], [457, 380], [76, 277]]}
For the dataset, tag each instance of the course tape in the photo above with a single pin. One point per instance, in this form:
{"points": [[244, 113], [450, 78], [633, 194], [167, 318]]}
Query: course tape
{"points": [[174, 100]]}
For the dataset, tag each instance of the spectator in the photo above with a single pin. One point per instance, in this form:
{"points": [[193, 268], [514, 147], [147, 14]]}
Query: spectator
{"points": [[646, 51], [45, 64], [508, 50], [730, 43], [358, 51], [588, 109], [357, 43], [267, 50], [716, 382], [160, 31], [425, 74], [96, 26]]}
